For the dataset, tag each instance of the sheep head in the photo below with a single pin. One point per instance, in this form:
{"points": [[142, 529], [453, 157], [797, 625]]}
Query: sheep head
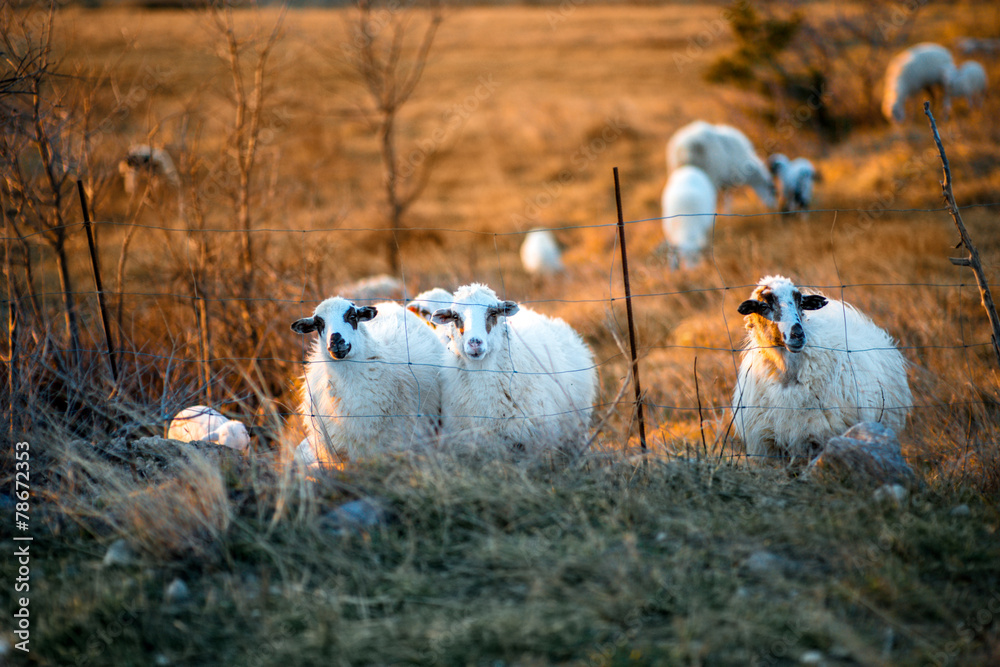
{"points": [[336, 320], [773, 313], [426, 303], [473, 314]]}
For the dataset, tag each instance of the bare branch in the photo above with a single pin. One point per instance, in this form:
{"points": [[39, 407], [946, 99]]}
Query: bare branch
{"points": [[972, 260]]}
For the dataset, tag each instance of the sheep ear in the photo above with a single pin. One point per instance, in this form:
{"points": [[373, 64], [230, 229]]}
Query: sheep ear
{"points": [[366, 313], [813, 302], [306, 325], [751, 306], [508, 308], [443, 316]]}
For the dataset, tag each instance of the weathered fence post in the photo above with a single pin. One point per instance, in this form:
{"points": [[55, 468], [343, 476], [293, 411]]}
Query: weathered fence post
{"points": [[97, 281], [628, 308]]}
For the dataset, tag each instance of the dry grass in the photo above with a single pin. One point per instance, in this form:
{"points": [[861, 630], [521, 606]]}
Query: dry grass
{"points": [[599, 560]]}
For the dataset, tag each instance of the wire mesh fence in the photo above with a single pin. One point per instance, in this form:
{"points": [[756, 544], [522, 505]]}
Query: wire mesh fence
{"points": [[189, 358]]}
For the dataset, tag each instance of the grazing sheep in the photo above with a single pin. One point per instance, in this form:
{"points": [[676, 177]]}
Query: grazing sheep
{"points": [[513, 377], [424, 304], [155, 162], [969, 82], [812, 367], [797, 178], [919, 68], [540, 253], [371, 379], [725, 155], [688, 214], [206, 424]]}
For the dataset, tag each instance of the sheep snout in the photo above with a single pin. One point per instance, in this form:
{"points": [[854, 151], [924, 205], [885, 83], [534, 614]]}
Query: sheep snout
{"points": [[338, 347], [796, 338], [476, 348]]}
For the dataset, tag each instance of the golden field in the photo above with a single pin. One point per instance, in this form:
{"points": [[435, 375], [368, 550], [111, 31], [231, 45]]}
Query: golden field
{"points": [[522, 112]]}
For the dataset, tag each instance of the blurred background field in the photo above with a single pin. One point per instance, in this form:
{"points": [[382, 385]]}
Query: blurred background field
{"points": [[519, 116]]}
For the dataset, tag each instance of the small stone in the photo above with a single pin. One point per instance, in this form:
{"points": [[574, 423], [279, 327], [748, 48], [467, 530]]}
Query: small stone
{"points": [[161, 660], [661, 537], [811, 658], [357, 516], [764, 562], [177, 591], [961, 510], [118, 554], [891, 493]]}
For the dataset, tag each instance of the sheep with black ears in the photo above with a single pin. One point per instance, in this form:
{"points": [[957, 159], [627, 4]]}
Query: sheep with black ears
{"points": [[922, 67], [812, 367], [513, 377], [200, 422], [371, 382], [689, 200], [725, 155], [797, 178], [155, 162]]}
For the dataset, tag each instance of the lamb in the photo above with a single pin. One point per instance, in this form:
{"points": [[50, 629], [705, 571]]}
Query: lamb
{"points": [[812, 367], [725, 155], [153, 161], [921, 67], [969, 82], [513, 377], [424, 304], [540, 253], [206, 424], [797, 178], [688, 214], [371, 380]]}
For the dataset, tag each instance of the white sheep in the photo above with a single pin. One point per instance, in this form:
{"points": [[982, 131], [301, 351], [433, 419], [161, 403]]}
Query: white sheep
{"points": [[513, 377], [688, 214], [797, 178], [371, 379], [155, 162], [540, 253], [968, 82], [725, 155], [812, 367], [423, 306], [206, 424], [919, 68]]}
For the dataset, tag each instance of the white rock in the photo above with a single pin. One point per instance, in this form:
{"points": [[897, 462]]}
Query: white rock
{"points": [[892, 493], [961, 510], [811, 658], [177, 591], [118, 554]]}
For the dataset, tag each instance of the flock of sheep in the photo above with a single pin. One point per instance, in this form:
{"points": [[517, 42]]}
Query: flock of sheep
{"points": [[469, 368]]}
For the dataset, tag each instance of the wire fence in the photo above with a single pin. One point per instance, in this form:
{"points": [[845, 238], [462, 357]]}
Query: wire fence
{"points": [[606, 363]]}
